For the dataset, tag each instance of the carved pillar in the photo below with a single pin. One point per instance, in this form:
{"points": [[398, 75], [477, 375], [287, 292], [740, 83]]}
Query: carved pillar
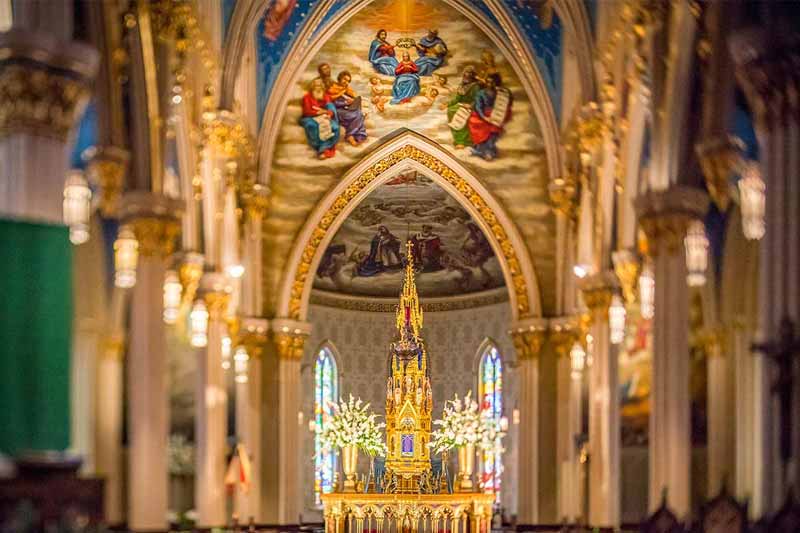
{"points": [[528, 337], [148, 412], [211, 401], [564, 333], [664, 216], [255, 198], [44, 86], [289, 337], [253, 335], [604, 432], [720, 411], [767, 70]]}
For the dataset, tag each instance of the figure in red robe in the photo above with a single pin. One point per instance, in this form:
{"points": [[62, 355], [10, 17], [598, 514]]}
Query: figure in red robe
{"points": [[320, 120]]}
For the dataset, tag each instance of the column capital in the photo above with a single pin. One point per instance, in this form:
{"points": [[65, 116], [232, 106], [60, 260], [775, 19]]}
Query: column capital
{"points": [[255, 197], [155, 221], [253, 334], [627, 267], [528, 336], [216, 291], [597, 291], [709, 339], [44, 83], [290, 337], [106, 170], [564, 333], [720, 157], [563, 192], [665, 216]]}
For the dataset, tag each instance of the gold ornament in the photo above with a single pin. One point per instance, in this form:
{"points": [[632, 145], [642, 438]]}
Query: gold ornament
{"points": [[156, 235]]}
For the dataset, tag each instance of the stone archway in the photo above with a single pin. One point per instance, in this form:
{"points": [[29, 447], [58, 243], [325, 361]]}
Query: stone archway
{"points": [[416, 151]]}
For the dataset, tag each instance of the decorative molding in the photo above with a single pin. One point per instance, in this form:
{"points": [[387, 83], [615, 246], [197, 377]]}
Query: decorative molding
{"points": [[106, 170], [720, 158], [389, 305], [665, 215], [412, 149], [597, 291], [627, 267], [156, 235], [253, 335]]}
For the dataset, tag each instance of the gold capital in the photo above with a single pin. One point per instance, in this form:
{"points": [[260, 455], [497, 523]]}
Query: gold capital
{"points": [[665, 216], [720, 158], [106, 169], [156, 235], [627, 268], [290, 345], [528, 343]]}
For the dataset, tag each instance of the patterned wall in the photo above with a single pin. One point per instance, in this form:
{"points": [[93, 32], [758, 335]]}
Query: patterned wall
{"points": [[453, 339]]}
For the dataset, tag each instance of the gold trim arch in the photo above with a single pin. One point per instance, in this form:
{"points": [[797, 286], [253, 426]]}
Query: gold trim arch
{"points": [[408, 150]]}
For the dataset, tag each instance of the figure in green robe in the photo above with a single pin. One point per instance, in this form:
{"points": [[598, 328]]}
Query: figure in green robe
{"points": [[460, 106]]}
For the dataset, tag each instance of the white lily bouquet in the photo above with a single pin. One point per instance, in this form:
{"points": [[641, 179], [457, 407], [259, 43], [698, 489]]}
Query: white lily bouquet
{"points": [[463, 423], [352, 424]]}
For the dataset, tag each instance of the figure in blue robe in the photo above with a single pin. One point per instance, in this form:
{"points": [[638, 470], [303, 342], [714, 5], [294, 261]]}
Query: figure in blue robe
{"points": [[432, 52], [382, 56], [406, 84]]}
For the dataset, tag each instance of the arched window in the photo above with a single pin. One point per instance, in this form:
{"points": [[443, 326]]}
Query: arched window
{"points": [[326, 384], [490, 387]]}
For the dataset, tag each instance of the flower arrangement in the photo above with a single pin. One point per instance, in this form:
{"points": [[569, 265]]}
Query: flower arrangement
{"points": [[463, 423], [352, 424]]}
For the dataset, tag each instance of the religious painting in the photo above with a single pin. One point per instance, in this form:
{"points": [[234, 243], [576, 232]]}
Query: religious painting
{"points": [[367, 254]]}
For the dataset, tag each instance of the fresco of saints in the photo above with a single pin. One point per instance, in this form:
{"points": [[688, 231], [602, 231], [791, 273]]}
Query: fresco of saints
{"points": [[320, 120], [459, 108], [432, 52], [324, 71], [384, 254], [406, 84], [348, 108], [427, 250], [491, 111], [382, 55]]}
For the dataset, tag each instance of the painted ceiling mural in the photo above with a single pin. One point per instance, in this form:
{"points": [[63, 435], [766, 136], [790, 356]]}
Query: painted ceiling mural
{"points": [[418, 65], [367, 254], [284, 20]]}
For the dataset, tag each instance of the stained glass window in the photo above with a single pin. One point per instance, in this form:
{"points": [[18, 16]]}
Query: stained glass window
{"points": [[491, 398], [325, 392]]}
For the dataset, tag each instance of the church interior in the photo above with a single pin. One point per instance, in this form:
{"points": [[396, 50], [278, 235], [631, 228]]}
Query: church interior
{"points": [[394, 266]]}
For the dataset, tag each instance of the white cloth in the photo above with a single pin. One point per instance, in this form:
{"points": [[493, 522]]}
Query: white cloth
{"points": [[325, 129], [459, 120], [500, 108]]}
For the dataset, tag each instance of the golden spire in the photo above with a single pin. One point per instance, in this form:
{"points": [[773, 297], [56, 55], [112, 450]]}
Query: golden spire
{"points": [[409, 312]]}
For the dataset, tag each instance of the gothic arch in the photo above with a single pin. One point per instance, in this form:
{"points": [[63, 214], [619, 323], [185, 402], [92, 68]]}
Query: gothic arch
{"points": [[509, 41], [405, 150]]}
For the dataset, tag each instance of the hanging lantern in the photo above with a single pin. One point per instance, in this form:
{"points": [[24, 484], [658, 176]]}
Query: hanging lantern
{"points": [[240, 359], [126, 256], [198, 321], [647, 291], [172, 297], [696, 244], [577, 357], [235, 270], [616, 320], [77, 206], [752, 198], [226, 352]]}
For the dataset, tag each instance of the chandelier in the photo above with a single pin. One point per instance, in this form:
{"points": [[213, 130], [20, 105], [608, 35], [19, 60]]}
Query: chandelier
{"points": [[577, 357], [198, 321], [172, 296], [752, 200], [126, 256], [77, 206], [616, 320], [696, 244], [647, 291]]}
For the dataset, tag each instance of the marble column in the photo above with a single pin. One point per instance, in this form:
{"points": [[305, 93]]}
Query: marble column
{"points": [[664, 216], [148, 408], [528, 336], [604, 414], [44, 86], [766, 68], [211, 403], [720, 412], [289, 337], [564, 333], [110, 379], [253, 335]]}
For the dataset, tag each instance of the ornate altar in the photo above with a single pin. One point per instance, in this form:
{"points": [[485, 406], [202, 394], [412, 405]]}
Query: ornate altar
{"points": [[410, 496]]}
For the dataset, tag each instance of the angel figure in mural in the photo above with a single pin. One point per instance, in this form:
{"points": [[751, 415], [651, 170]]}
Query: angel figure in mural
{"points": [[384, 254], [491, 111], [382, 55], [432, 52], [320, 120], [459, 108], [348, 108], [406, 84]]}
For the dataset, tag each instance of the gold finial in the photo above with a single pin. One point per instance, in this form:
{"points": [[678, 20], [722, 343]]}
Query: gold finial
{"points": [[409, 312]]}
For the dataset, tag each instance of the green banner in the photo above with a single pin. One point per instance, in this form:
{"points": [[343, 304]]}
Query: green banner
{"points": [[35, 336]]}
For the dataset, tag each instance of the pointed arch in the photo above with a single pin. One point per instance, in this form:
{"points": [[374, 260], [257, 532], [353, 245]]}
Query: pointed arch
{"points": [[408, 150], [490, 399], [326, 390]]}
